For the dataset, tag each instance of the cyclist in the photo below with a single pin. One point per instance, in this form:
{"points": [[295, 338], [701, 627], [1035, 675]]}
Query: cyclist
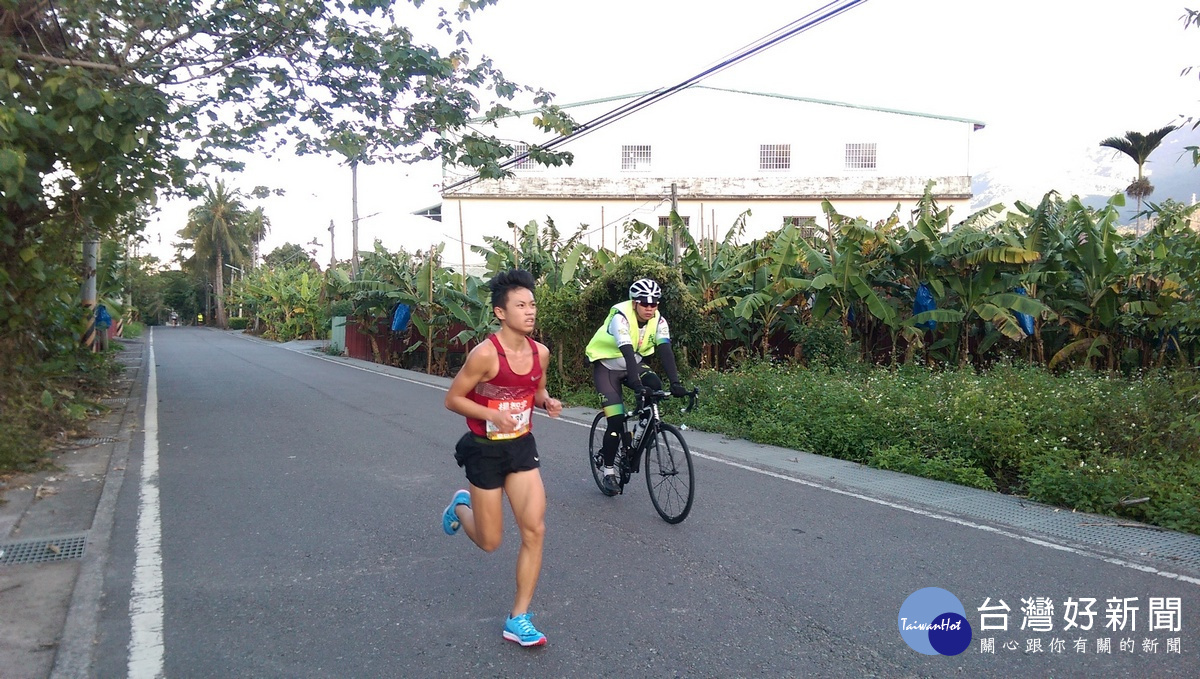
{"points": [[633, 330]]}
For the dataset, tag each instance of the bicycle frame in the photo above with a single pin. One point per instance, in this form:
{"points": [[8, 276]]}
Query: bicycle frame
{"points": [[669, 473], [630, 456]]}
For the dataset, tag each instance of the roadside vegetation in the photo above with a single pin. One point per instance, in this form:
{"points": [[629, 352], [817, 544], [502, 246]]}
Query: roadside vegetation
{"points": [[46, 406], [1089, 441], [1036, 349]]}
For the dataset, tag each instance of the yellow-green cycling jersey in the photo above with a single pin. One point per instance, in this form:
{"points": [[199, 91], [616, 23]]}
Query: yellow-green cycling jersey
{"points": [[621, 328]]}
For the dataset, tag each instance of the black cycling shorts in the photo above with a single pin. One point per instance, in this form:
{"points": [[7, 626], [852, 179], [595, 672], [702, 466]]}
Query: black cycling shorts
{"points": [[488, 462]]}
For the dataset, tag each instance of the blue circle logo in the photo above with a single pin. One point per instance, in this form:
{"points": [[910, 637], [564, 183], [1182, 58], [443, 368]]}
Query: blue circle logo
{"points": [[933, 621]]}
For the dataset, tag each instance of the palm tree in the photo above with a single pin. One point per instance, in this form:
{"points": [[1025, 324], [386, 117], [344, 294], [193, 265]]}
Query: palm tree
{"points": [[1139, 146], [257, 224], [216, 230]]}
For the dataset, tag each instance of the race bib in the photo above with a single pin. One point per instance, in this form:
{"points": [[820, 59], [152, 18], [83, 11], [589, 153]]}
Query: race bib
{"points": [[520, 410]]}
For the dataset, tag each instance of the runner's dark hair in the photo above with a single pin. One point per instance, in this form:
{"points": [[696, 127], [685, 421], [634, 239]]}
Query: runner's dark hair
{"points": [[505, 281]]}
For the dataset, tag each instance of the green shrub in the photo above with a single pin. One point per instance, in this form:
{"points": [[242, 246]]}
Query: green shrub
{"points": [[341, 307], [51, 399], [236, 323], [824, 343], [1081, 440], [901, 458]]}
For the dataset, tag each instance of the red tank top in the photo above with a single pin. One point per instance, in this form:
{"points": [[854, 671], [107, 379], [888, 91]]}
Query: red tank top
{"points": [[509, 392]]}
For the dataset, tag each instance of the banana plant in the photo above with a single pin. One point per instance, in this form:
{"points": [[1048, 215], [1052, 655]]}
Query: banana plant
{"points": [[710, 277], [1098, 267], [840, 273], [1040, 229], [976, 276], [541, 251], [767, 284], [289, 302], [474, 310], [1160, 302]]}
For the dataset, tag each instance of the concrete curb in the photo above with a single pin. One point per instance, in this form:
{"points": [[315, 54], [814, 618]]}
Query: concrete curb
{"points": [[54, 606], [76, 644]]}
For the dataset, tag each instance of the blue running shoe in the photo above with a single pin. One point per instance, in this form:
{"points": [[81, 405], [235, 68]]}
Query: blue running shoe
{"points": [[521, 630], [450, 522]]}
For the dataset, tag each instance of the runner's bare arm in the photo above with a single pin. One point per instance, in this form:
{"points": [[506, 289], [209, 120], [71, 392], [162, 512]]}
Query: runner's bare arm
{"points": [[481, 365], [541, 398]]}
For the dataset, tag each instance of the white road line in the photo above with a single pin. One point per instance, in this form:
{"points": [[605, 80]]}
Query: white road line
{"points": [[961, 522], [146, 601], [859, 496]]}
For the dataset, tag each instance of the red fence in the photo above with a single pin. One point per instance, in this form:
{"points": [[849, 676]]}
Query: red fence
{"points": [[392, 345]]}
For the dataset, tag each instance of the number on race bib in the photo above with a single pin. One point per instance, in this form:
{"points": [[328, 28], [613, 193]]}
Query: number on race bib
{"points": [[520, 410]]}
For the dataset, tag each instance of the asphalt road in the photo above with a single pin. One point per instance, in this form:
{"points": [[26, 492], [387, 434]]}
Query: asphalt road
{"points": [[300, 537]]}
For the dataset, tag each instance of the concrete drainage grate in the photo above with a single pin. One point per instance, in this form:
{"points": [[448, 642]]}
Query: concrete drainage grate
{"points": [[1176, 549], [95, 441], [40, 551]]}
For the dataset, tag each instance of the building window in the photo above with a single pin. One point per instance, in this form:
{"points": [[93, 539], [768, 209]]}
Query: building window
{"points": [[525, 163], [775, 157], [860, 156], [807, 225], [666, 221], [635, 157]]}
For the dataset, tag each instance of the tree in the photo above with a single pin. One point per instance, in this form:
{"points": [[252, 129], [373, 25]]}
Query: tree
{"points": [[104, 105], [216, 232], [289, 255], [257, 226], [1139, 146]]}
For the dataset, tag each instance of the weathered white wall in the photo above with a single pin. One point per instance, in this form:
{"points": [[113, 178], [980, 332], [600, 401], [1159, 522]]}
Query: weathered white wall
{"points": [[707, 143], [490, 216]]}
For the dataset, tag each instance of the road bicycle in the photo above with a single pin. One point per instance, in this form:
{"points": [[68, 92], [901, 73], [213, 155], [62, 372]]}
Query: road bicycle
{"points": [[669, 474]]}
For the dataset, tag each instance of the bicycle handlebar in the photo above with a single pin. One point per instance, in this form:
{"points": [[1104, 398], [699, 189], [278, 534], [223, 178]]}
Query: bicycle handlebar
{"points": [[691, 397], [658, 395]]}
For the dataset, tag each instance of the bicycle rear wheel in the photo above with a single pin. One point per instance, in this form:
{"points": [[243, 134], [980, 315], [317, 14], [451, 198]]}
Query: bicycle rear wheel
{"points": [[595, 443], [669, 475]]}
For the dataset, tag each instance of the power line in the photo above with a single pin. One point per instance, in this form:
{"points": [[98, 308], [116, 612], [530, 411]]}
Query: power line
{"points": [[808, 21]]}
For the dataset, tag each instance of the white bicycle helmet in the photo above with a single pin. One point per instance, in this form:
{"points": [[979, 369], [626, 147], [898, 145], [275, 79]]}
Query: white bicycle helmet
{"points": [[645, 291]]}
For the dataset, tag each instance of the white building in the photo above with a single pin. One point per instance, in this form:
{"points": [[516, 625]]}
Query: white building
{"points": [[726, 151]]}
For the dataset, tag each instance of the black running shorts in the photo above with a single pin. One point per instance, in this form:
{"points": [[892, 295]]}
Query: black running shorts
{"points": [[488, 462]]}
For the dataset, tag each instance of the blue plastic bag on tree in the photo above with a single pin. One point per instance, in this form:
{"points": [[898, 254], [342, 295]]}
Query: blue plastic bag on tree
{"points": [[400, 317], [1024, 320], [924, 302], [103, 319]]}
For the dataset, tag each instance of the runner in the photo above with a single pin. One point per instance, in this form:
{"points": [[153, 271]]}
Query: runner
{"points": [[502, 381]]}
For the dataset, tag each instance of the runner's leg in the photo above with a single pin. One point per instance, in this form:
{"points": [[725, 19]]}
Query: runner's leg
{"points": [[483, 521], [527, 497]]}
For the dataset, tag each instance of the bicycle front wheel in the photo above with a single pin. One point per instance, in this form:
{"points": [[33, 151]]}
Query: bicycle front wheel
{"points": [[669, 475], [595, 443]]}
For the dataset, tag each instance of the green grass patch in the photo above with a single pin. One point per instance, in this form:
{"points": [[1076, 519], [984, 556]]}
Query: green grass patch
{"points": [[1085, 441], [50, 401]]}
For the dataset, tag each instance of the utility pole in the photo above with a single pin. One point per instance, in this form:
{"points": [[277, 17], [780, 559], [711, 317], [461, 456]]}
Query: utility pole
{"points": [[462, 244], [91, 251], [354, 209], [674, 225], [332, 256]]}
